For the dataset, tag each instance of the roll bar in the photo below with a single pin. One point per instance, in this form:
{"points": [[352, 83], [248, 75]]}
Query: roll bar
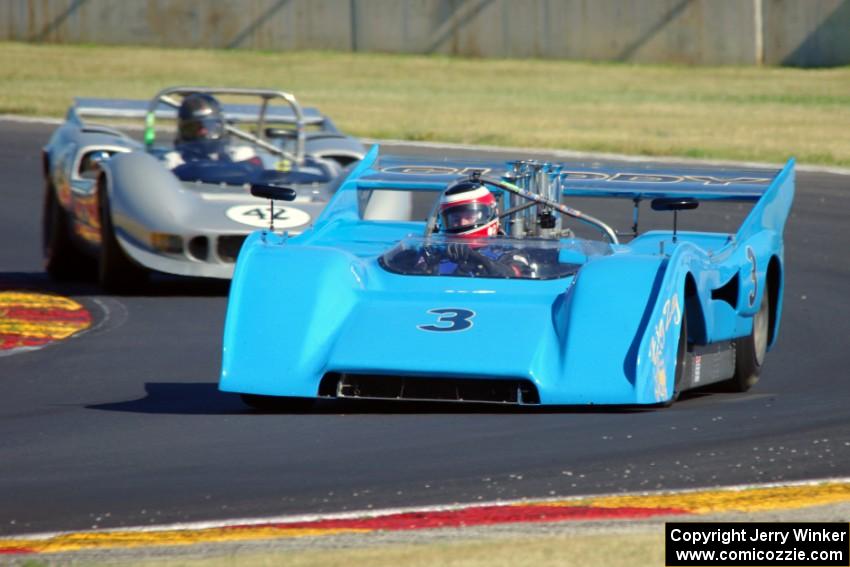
{"points": [[166, 96]]}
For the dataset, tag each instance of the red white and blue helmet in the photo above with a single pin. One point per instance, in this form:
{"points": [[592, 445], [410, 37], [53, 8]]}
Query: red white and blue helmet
{"points": [[468, 209]]}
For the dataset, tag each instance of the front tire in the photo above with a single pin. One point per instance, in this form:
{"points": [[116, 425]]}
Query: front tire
{"points": [[750, 351], [116, 273], [62, 260], [276, 404]]}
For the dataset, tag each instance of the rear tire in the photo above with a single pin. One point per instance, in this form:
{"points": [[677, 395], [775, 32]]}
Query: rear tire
{"points": [[115, 271], [62, 260], [750, 351], [278, 403]]}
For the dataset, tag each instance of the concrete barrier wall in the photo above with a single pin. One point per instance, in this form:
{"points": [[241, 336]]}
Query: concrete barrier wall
{"points": [[711, 32], [680, 31], [254, 24], [807, 33]]}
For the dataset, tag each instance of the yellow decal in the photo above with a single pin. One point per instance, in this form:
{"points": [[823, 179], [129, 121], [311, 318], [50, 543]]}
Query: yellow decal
{"points": [[671, 313]]}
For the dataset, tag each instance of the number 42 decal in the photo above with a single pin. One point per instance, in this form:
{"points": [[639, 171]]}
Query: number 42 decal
{"points": [[452, 320]]}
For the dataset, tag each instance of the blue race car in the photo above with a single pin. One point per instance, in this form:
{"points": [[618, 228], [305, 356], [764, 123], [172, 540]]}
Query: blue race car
{"points": [[379, 300]]}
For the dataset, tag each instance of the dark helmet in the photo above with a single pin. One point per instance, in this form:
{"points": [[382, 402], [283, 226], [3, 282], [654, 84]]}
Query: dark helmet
{"points": [[199, 118], [468, 209]]}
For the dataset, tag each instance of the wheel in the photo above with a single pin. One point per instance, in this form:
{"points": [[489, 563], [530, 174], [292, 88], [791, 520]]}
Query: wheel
{"points": [[62, 260], [278, 403], [115, 271], [750, 351]]}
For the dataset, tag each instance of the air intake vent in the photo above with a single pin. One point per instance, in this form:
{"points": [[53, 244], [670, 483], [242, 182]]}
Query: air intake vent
{"points": [[468, 390], [229, 246], [728, 292], [199, 248]]}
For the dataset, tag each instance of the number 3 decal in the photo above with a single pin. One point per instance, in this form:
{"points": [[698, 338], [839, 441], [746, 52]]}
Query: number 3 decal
{"points": [[457, 319], [751, 256]]}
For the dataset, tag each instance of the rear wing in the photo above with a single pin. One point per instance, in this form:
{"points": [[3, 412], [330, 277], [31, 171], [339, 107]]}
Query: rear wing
{"points": [[772, 190], [138, 109], [774, 205], [633, 181]]}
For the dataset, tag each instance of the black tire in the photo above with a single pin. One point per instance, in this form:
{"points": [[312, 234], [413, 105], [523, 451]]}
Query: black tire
{"points": [[116, 273], [750, 351], [278, 403], [62, 260]]}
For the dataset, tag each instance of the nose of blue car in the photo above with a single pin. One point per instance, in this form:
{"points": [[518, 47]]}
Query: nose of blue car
{"points": [[452, 334]]}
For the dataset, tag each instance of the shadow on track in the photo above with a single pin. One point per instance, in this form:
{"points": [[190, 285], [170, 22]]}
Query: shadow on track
{"points": [[187, 398], [204, 398]]}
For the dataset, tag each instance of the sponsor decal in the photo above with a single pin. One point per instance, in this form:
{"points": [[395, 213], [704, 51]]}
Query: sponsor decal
{"points": [[259, 216], [671, 314], [613, 177], [660, 178], [434, 170]]}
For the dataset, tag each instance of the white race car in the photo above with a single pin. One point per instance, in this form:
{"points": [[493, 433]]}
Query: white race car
{"points": [[135, 205]]}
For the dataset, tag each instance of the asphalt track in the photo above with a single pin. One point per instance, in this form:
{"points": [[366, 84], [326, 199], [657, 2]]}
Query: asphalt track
{"points": [[123, 425]]}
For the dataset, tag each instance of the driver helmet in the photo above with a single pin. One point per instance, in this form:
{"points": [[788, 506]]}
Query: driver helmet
{"points": [[468, 209], [199, 119]]}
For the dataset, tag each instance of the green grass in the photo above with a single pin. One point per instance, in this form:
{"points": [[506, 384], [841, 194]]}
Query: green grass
{"points": [[743, 113], [598, 550]]}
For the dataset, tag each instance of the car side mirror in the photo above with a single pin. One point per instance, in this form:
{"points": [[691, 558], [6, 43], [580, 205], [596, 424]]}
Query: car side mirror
{"points": [[674, 204], [273, 192]]}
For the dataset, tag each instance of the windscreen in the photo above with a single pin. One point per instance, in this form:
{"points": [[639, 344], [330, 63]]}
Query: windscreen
{"points": [[395, 204], [497, 257]]}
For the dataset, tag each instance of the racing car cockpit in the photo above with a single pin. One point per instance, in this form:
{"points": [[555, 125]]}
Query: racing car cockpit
{"points": [[495, 257], [475, 245], [210, 148]]}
